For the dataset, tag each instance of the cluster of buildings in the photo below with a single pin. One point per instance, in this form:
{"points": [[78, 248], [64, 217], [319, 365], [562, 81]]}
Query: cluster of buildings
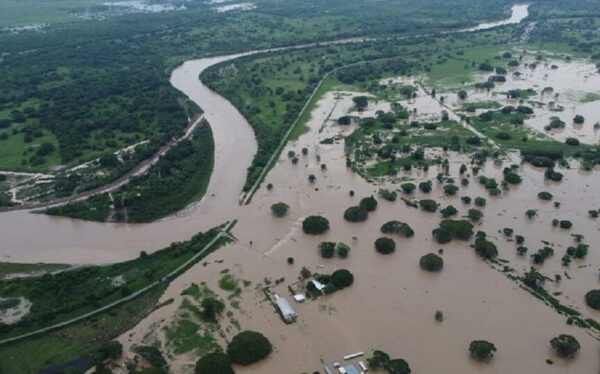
{"points": [[360, 368]]}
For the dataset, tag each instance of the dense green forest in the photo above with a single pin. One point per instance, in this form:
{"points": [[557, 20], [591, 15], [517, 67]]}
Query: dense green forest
{"points": [[81, 89], [180, 177]]}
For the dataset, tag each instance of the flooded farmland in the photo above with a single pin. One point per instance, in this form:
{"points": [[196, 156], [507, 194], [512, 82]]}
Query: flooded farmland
{"points": [[392, 302]]}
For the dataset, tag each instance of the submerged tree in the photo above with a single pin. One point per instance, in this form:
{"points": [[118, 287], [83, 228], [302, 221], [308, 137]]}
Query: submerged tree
{"points": [[315, 225], [565, 346], [482, 349]]}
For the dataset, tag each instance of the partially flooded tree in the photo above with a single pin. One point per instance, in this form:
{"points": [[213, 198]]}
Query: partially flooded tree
{"points": [[385, 245], [565, 346], [279, 209], [482, 349], [315, 225], [431, 262]]}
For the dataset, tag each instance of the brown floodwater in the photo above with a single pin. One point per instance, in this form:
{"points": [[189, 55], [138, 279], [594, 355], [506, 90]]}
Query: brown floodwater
{"points": [[392, 302], [40, 238], [570, 81]]}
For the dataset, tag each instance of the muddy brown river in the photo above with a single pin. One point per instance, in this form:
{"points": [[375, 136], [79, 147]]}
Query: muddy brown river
{"points": [[392, 302], [39, 238]]}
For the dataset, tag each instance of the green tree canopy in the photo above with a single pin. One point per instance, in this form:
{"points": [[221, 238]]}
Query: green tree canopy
{"points": [[315, 225], [214, 363], [565, 345], [481, 349], [431, 262], [248, 347]]}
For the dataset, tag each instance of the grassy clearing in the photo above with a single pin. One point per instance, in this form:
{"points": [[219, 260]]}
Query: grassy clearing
{"points": [[590, 97], [78, 341], [460, 68]]}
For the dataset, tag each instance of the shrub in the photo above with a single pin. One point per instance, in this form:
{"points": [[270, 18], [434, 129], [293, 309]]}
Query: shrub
{"points": [[152, 355], [473, 140], [503, 136], [551, 174], [428, 205], [341, 278], [361, 102], [431, 262], [449, 229], [214, 363], [533, 278], [579, 119], [545, 195], [248, 347], [542, 254], [388, 195], [450, 189], [475, 214], [485, 66], [408, 187], [355, 214], [466, 199], [368, 203], [211, 307], [578, 252], [572, 141], [342, 250], [112, 349], [315, 225], [279, 209], [565, 224], [397, 227], [448, 211], [425, 186], [327, 249], [513, 178], [344, 120], [530, 213], [592, 299], [481, 349], [480, 201], [485, 248], [565, 346], [385, 245]]}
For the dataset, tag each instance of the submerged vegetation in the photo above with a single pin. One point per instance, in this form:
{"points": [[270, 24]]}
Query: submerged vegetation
{"points": [[415, 106]]}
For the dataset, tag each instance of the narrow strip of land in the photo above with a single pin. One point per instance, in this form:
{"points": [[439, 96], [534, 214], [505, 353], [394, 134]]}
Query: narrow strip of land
{"points": [[173, 274]]}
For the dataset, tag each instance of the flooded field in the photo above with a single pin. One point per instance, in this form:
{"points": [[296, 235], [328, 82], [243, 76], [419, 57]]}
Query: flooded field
{"points": [[561, 87], [392, 302]]}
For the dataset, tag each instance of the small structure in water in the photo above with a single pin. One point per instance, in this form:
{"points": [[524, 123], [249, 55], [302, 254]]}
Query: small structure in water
{"points": [[287, 312], [353, 355], [351, 369], [318, 285]]}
